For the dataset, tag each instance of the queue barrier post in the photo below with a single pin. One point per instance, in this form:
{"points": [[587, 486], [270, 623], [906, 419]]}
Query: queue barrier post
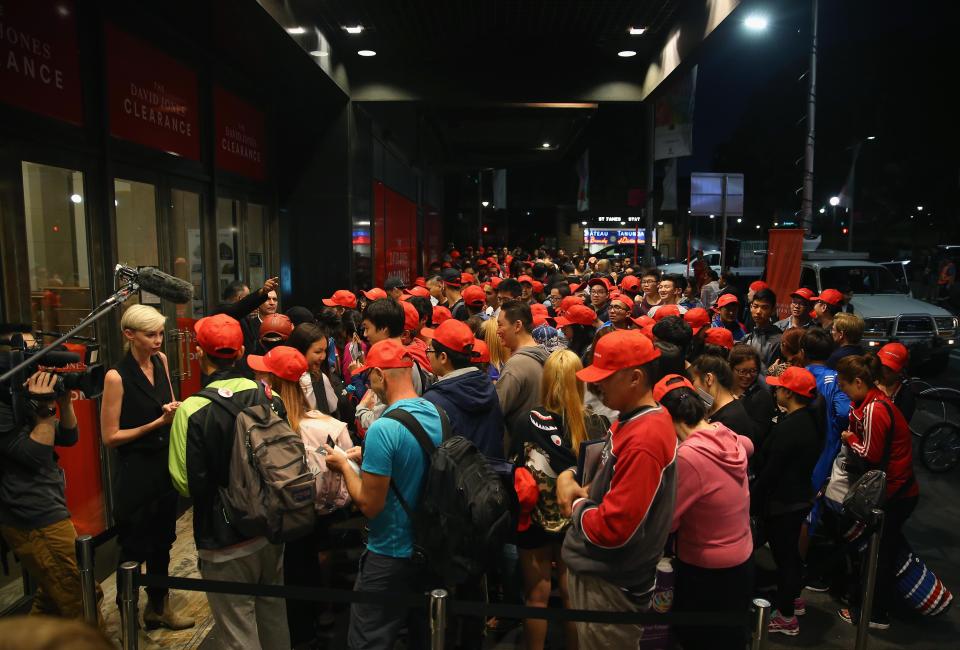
{"points": [[761, 623], [129, 590], [438, 618], [873, 553], [88, 586]]}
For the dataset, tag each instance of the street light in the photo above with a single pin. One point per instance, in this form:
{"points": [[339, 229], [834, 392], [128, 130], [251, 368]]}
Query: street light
{"points": [[484, 203], [823, 210], [919, 208], [834, 201], [756, 22]]}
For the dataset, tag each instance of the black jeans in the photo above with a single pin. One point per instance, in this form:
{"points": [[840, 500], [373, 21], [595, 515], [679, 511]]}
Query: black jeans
{"points": [[783, 535], [146, 536], [896, 513], [376, 626], [709, 590], [301, 567]]}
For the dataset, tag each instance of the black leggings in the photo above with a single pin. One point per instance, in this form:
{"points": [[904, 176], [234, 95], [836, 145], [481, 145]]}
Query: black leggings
{"points": [[707, 590], [896, 513], [783, 534], [147, 536]]}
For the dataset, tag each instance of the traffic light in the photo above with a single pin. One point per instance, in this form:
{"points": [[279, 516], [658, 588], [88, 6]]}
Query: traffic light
{"points": [[845, 230], [486, 228]]}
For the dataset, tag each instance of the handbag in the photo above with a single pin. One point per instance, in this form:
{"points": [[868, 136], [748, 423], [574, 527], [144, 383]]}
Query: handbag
{"points": [[868, 491]]}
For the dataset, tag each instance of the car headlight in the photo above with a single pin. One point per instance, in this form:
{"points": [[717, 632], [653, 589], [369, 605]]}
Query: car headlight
{"points": [[946, 325], [877, 326]]}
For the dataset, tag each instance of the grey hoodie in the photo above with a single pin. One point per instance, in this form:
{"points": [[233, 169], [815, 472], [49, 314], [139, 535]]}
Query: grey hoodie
{"points": [[519, 388]]}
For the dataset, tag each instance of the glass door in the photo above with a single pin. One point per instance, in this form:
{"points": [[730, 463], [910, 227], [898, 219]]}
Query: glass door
{"points": [[228, 216], [257, 245], [186, 243], [135, 204]]}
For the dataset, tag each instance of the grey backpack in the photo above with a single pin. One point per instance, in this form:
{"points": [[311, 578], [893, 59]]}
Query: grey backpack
{"points": [[270, 490]]}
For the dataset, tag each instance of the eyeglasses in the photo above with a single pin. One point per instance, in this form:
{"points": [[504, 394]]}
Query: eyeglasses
{"points": [[430, 350], [598, 292], [616, 306], [747, 372]]}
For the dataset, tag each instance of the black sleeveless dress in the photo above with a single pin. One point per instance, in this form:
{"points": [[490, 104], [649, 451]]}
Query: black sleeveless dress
{"points": [[144, 498]]}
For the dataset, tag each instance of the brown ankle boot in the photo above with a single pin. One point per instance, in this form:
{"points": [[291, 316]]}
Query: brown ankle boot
{"points": [[166, 617]]}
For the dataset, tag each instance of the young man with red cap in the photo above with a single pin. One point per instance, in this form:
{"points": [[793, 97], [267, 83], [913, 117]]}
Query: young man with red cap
{"points": [[518, 387], [765, 336], [620, 521], [341, 300], [600, 297], [475, 300], [801, 304], [274, 330], [781, 492], [393, 463], [728, 307], [466, 394], [201, 444], [827, 305], [894, 359]]}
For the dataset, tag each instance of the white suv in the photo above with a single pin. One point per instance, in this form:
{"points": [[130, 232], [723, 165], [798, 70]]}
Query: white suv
{"points": [[890, 313]]}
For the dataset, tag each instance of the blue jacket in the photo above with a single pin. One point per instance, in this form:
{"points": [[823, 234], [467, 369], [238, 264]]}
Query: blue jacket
{"points": [[471, 403], [838, 419]]}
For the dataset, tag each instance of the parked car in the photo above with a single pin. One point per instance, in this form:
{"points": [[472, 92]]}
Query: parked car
{"points": [[885, 304], [680, 268], [621, 251]]}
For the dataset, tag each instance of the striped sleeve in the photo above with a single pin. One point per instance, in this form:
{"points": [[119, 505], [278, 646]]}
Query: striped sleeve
{"points": [[869, 442]]}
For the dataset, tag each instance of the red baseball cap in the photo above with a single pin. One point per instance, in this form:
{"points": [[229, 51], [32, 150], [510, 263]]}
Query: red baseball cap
{"points": [[630, 283], [452, 334], [417, 290], [283, 361], [643, 321], [411, 317], [482, 262], [440, 314], [219, 336], [664, 311], [494, 281], [894, 356], [804, 294], [525, 279], [757, 285], [568, 302], [467, 278], [454, 254], [829, 296], [278, 325], [727, 299], [605, 282], [420, 281], [375, 294], [577, 314], [575, 288], [539, 313], [697, 318], [616, 351], [719, 336], [386, 354], [537, 286], [669, 383], [622, 298], [341, 298], [796, 379], [474, 296], [481, 351]]}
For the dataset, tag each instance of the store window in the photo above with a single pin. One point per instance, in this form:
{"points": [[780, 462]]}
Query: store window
{"points": [[256, 245], [187, 245], [136, 207], [228, 211], [59, 263]]}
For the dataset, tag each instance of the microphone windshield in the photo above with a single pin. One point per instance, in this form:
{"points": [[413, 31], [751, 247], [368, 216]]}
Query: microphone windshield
{"points": [[165, 286]]}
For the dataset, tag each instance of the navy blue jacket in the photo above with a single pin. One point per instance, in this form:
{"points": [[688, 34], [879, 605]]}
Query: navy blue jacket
{"points": [[471, 402]]}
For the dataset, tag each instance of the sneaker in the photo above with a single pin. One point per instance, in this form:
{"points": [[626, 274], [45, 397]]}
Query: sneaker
{"points": [[852, 617], [783, 625], [818, 585], [799, 607]]}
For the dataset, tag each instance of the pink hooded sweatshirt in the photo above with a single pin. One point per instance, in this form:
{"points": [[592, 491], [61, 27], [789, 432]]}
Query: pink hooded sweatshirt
{"points": [[712, 512]]}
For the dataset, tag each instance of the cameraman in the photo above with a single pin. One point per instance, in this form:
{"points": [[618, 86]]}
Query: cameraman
{"points": [[34, 519]]}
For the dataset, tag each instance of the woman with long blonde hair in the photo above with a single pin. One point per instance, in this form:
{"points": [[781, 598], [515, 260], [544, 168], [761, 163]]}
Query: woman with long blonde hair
{"points": [[551, 435], [499, 353]]}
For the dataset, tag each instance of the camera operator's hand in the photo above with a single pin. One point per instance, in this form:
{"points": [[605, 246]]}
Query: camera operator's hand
{"points": [[41, 386], [169, 410]]}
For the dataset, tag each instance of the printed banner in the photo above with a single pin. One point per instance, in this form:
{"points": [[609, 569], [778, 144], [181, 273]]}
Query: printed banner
{"points": [[152, 98], [673, 118], [40, 59], [241, 135]]}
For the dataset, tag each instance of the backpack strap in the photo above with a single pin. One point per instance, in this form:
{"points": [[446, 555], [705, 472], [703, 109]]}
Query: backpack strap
{"points": [[214, 396], [887, 450], [412, 425]]}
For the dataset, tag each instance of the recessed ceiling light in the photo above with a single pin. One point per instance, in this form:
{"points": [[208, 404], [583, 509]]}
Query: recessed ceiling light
{"points": [[76, 198], [626, 54], [636, 31], [319, 53], [367, 53], [353, 29], [296, 31], [545, 145]]}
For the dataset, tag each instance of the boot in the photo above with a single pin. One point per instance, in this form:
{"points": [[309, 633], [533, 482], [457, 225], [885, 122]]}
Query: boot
{"points": [[165, 616]]}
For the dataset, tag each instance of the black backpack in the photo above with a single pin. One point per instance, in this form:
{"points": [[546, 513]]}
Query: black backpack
{"points": [[463, 516]]}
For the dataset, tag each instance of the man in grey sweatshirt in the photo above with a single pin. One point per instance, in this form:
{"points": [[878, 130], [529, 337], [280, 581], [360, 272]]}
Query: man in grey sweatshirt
{"points": [[518, 387]]}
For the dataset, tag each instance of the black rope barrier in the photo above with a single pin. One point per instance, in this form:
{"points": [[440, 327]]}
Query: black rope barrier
{"points": [[457, 607]]}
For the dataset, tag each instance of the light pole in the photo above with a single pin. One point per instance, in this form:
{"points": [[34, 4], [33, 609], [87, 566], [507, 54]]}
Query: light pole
{"points": [[851, 188]]}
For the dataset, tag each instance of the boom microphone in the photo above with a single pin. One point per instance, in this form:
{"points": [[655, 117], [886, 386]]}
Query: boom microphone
{"points": [[165, 286]]}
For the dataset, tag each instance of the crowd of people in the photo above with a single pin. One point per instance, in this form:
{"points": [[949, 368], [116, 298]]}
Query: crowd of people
{"points": [[645, 415]]}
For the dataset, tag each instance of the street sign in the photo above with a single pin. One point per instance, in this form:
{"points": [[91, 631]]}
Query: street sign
{"points": [[712, 194]]}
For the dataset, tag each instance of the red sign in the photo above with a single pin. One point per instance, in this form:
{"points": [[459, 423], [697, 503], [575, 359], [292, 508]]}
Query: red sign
{"points": [[152, 97], [784, 252], [240, 135], [39, 58]]}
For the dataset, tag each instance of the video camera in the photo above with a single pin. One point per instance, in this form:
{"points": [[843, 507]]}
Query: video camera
{"points": [[73, 372]]}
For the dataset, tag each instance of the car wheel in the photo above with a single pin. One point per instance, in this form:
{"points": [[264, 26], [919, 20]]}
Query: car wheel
{"points": [[940, 449]]}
